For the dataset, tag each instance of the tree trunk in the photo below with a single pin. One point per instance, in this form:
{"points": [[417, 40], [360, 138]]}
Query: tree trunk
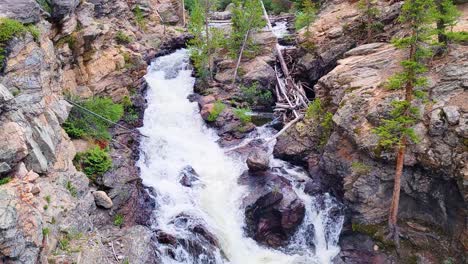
{"points": [[393, 214], [240, 56], [400, 158]]}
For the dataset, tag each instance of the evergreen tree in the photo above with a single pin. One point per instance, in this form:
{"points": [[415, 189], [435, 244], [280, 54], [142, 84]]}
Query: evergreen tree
{"points": [[205, 39], [305, 16], [247, 16], [448, 15], [396, 132]]}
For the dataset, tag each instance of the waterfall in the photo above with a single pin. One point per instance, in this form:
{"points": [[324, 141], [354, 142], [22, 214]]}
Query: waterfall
{"points": [[177, 138]]}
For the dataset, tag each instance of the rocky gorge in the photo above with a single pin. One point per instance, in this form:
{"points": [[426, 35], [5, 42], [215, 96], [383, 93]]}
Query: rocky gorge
{"points": [[51, 212]]}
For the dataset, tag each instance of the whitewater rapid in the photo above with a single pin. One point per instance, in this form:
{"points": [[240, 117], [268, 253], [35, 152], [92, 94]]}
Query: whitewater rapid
{"points": [[177, 138]]}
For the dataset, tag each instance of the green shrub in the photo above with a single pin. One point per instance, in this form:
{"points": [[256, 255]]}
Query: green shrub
{"points": [[72, 131], [122, 38], [139, 17], [5, 180], [71, 188], [45, 4], [93, 162], [242, 114], [253, 96], [217, 109], [327, 128], [118, 220], [45, 231], [64, 244], [314, 110], [70, 40], [360, 168], [81, 123], [9, 29], [47, 199]]}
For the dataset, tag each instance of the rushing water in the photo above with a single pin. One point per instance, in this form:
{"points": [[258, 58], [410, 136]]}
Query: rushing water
{"points": [[178, 138]]}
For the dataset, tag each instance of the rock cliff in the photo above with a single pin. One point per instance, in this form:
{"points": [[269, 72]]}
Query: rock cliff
{"points": [[48, 212]]}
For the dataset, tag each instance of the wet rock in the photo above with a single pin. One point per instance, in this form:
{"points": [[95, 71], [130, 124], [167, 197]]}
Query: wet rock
{"points": [[313, 188], [273, 210], [165, 238], [26, 11], [189, 177], [258, 160], [102, 199]]}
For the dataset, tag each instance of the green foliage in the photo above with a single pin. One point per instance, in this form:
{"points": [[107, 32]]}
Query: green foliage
{"points": [[327, 127], [64, 244], [317, 113], [93, 162], [217, 110], [305, 16], [221, 4], [139, 17], [5, 180], [46, 5], [246, 18], [392, 130], [370, 16], [243, 115], [458, 37], [360, 168], [278, 6], [70, 40], [47, 199], [45, 231], [71, 188], [376, 233], [9, 29], [447, 17], [254, 96], [118, 220], [123, 38], [314, 110], [81, 123], [189, 5], [419, 16], [206, 39]]}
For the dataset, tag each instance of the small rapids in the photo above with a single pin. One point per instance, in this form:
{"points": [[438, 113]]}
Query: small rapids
{"points": [[211, 210]]}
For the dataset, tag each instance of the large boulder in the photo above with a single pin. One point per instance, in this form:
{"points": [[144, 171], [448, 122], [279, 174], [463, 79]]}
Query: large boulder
{"points": [[26, 11], [273, 210], [258, 160], [102, 199]]}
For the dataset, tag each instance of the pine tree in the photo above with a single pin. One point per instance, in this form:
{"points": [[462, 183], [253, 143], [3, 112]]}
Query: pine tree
{"points": [[448, 15], [305, 16], [396, 132], [205, 39]]}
